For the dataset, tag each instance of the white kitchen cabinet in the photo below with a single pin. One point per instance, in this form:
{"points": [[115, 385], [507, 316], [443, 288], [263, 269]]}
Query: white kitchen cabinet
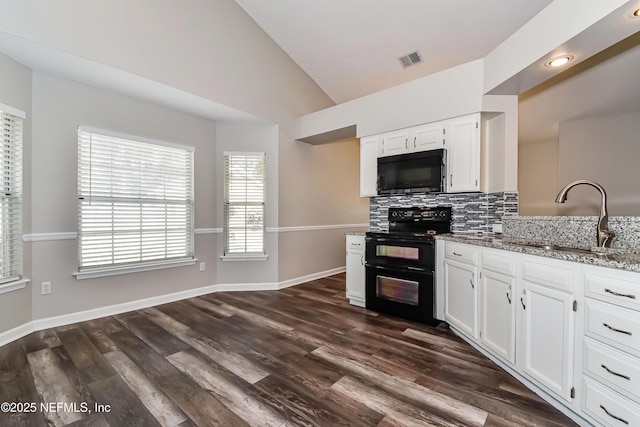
{"points": [[461, 293], [611, 343], [547, 337], [355, 269], [498, 314], [462, 140], [368, 166], [392, 143], [461, 299], [427, 137]]}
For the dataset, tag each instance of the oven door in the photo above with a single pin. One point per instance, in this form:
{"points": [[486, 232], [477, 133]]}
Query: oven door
{"points": [[393, 252], [404, 293]]}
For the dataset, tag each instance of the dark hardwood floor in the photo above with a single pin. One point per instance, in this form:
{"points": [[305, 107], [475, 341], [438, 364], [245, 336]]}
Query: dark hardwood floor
{"points": [[300, 356]]}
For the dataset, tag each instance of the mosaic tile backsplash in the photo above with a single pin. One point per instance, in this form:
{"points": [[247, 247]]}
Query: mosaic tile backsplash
{"points": [[472, 213]]}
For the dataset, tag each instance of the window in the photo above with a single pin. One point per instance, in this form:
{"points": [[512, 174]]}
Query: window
{"points": [[135, 200], [244, 203], [10, 197]]}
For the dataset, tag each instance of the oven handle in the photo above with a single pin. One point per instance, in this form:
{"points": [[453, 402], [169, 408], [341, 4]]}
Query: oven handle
{"points": [[399, 269], [428, 242]]}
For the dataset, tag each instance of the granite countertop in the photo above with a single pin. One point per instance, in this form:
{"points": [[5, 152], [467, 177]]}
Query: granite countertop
{"points": [[355, 233], [622, 259]]}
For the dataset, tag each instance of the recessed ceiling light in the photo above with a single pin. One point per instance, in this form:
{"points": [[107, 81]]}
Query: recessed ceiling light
{"points": [[558, 61], [636, 13]]}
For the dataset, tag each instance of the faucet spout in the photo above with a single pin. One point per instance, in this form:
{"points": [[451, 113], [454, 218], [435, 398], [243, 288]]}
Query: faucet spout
{"points": [[603, 234]]}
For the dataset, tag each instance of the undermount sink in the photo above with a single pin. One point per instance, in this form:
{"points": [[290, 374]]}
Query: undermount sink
{"points": [[592, 251]]}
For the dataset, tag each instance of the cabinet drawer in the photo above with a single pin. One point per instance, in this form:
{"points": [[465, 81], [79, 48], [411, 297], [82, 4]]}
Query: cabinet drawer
{"points": [[498, 263], [613, 368], [617, 287], [461, 253], [607, 407], [355, 242], [616, 326], [551, 274]]}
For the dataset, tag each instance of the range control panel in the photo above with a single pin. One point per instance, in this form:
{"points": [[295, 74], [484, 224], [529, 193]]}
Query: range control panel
{"points": [[420, 214]]}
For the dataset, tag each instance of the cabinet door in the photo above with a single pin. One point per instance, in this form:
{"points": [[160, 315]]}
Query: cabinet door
{"points": [[355, 277], [461, 297], [547, 337], [498, 314], [368, 166], [427, 137], [463, 154], [392, 143]]}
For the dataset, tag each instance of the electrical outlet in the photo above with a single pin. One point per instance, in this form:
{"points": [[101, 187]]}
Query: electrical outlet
{"points": [[202, 266], [46, 288]]}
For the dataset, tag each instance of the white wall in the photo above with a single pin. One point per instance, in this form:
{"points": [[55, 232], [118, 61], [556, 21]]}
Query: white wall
{"points": [[209, 48], [547, 32], [450, 93], [605, 150]]}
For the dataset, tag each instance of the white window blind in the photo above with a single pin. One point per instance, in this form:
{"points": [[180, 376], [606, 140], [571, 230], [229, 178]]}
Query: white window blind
{"points": [[244, 182], [10, 198], [135, 200]]}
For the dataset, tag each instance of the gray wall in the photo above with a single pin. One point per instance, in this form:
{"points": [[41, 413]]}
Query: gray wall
{"points": [[605, 150], [15, 91], [59, 107], [320, 188]]}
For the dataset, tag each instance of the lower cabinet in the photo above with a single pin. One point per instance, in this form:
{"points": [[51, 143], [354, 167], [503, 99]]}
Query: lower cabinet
{"points": [[355, 270], [521, 312], [547, 338], [461, 299], [611, 346], [498, 314]]}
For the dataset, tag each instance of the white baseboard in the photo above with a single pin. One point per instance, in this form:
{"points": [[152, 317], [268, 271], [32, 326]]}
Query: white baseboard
{"points": [[526, 382], [310, 277], [111, 310], [16, 333]]}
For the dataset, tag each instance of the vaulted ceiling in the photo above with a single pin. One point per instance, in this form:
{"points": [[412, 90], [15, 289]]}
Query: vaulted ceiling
{"points": [[351, 47]]}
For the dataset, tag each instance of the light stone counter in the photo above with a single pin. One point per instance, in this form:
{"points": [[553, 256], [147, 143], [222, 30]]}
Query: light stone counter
{"points": [[618, 258]]}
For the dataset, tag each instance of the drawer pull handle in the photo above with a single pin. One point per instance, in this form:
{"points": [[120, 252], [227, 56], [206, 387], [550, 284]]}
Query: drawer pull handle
{"points": [[620, 295], [524, 291], [616, 330], [457, 254], [615, 373], [613, 416], [509, 294]]}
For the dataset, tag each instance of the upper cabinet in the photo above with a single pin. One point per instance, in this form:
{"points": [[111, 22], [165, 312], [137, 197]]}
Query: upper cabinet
{"points": [[428, 137], [392, 143], [417, 138], [463, 154], [368, 166], [475, 146]]}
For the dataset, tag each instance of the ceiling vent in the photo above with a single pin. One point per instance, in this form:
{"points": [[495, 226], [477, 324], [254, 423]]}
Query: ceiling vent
{"points": [[410, 59]]}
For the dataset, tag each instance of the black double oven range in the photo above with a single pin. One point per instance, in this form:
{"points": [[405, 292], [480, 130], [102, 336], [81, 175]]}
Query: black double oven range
{"points": [[400, 264]]}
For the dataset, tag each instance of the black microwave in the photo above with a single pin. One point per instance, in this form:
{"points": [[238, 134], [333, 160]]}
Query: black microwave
{"points": [[421, 172]]}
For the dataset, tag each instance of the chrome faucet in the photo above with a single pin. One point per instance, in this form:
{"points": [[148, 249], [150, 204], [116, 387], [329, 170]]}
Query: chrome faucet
{"points": [[603, 234]]}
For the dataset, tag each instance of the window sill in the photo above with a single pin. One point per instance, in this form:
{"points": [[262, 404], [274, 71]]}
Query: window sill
{"points": [[135, 268], [243, 257], [13, 286]]}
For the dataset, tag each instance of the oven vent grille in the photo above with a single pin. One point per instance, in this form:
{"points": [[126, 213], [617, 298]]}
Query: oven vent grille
{"points": [[410, 59]]}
